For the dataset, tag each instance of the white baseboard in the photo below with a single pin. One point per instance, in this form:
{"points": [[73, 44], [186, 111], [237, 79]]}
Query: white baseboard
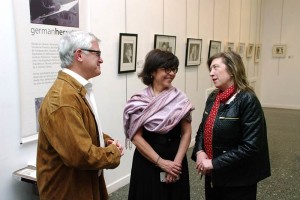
{"points": [[118, 184], [293, 107]]}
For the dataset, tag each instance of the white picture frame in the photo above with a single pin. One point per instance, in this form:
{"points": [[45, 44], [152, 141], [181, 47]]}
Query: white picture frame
{"points": [[279, 50]]}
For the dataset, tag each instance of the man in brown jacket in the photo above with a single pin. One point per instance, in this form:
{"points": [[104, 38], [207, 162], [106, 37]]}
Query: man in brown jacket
{"points": [[72, 149]]}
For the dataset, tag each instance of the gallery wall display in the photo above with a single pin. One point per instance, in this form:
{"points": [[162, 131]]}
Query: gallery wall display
{"points": [[250, 50], [193, 52], [214, 47], [37, 34], [229, 47], [257, 53], [241, 49], [127, 52], [165, 42], [279, 50]]}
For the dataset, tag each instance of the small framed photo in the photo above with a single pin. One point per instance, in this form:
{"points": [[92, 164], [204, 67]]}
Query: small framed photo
{"points": [[214, 47], [193, 52], [127, 52], [250, 50], [279, 50], [257, 53], [241, 49], [165, 42], [229, 47]]}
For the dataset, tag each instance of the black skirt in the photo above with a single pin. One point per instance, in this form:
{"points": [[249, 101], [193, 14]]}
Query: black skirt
{"points": [[145, 181]]}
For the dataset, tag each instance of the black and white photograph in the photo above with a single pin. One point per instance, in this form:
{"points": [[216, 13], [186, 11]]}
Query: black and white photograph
{"points": [[214, 47], [193, 52], [241, 49], [37, 102], [229, 47], [55, 12], [127, 52], [165, 42], [279, 50], [249, 51], [257, 53]]}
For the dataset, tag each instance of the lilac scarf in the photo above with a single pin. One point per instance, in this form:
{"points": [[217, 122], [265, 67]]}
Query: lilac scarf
{"points": [[156, 113]]}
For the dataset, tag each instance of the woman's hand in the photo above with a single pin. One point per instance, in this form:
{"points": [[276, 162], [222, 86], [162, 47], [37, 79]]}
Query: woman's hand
{"points": [[203, 164], [171, 179], [171, 167]]}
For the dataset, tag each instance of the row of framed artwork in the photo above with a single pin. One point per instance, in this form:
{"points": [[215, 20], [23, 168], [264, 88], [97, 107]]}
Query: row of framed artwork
{"points": [[243, 50], [128, 50]]}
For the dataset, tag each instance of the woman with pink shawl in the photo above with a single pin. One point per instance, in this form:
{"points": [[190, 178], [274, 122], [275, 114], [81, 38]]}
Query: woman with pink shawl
{"points": [[157, 120]]}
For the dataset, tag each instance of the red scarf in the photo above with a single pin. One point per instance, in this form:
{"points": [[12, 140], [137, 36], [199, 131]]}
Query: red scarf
{"points": [[222, 96]]}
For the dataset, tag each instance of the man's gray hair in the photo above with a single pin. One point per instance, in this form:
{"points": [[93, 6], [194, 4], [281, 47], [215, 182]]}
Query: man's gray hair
{"points": [[71, 41]]}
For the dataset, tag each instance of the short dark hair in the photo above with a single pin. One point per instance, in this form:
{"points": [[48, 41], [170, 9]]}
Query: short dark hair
{"points": [[155, 59]]}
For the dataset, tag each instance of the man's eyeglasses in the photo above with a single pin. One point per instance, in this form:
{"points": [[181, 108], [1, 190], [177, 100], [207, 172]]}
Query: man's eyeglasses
{"points": [[168, 70], [98, 53]]}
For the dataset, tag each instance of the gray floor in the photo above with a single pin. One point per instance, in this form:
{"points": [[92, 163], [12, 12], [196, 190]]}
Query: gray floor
{"points": [[284, 137]]}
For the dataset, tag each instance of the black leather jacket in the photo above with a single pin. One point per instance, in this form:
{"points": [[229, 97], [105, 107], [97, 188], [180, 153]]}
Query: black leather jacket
{"points": [[240, 148]]}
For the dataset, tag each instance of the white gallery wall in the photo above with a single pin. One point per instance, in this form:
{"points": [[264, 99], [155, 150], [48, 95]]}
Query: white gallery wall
{"points": [[223, 20], [280, 76]]}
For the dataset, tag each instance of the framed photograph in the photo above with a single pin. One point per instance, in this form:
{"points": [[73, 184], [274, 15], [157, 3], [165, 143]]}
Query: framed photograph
{"points": [[165, 42], [193, 52], [257, 53], [250, 50], [241, 49], [214, 47], [279, 50], [229, 47], [127, 52]]}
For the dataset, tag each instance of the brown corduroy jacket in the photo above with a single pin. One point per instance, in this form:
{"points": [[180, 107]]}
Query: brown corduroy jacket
{"points": [[69, 155]]}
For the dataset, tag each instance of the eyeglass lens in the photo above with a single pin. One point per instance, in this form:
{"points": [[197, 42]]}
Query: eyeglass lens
{"points": [[98, 53], [169, 69]]}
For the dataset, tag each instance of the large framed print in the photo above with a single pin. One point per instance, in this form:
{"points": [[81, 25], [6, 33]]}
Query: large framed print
{"points": [[165, 42], [127, 52], [193, 52], [214, 47]]}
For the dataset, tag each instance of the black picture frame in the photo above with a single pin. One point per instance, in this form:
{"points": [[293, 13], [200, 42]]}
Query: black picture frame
{"points": [[193, 52], [165, 42], [127, 52], [214, 47]]}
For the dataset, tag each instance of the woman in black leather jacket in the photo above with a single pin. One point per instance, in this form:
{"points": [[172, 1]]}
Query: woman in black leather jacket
{"points": [[231, 147]]}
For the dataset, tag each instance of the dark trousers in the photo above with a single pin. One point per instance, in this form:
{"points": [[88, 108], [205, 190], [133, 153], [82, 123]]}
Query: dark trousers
{"points": [[229, 193]]}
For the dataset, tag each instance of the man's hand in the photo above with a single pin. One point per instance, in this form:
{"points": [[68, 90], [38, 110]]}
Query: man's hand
{"points": [[119, 146]]}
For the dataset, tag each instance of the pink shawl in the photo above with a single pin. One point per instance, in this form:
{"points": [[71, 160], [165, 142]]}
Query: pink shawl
{"points": [[156, 113]]}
